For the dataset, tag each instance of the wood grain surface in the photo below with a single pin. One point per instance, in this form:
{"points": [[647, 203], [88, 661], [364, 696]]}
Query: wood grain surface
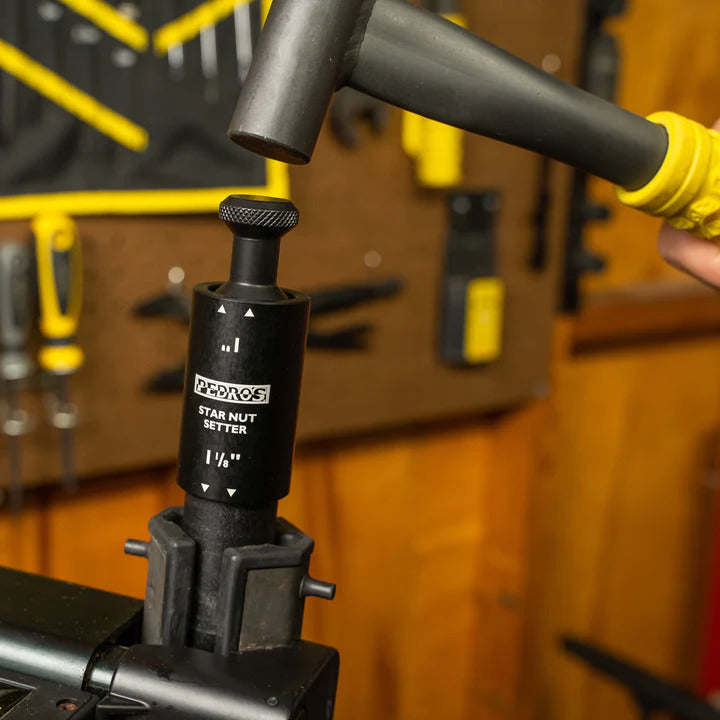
{"points": [[620, 516], [425, 534], [646, 313], [462, 554]]}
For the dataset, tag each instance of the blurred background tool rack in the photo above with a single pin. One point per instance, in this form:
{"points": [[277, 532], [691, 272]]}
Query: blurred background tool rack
{"points": [[117, 108], [341, 243]]}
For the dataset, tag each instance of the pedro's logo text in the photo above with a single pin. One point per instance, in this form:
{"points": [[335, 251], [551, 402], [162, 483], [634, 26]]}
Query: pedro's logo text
{"points": [[232, 393]]}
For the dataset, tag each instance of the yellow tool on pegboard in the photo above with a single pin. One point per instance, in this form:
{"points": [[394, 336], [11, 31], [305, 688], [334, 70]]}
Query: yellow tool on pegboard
{"points": [[58, 256], [472, 317], [436, 148], [484, 312]]}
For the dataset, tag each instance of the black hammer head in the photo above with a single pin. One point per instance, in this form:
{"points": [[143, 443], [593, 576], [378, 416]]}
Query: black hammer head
{"points": [[298, 64]]}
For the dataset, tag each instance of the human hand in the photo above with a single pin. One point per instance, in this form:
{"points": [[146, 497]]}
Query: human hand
{"points": [[695, 256]]}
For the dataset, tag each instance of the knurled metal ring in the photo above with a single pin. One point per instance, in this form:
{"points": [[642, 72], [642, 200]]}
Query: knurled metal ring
{"points": [[259, 217]]}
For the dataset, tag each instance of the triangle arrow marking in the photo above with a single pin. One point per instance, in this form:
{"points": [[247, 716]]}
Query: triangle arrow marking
{"points": [[231, 491], [250, 313], [204, 487], [221, 309]]}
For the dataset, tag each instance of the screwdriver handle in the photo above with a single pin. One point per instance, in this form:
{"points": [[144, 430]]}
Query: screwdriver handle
{"points": [[58, 256], [16, 309]]}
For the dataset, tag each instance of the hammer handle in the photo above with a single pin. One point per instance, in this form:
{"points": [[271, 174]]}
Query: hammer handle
{"points": [[666, 165], [470, 83]]}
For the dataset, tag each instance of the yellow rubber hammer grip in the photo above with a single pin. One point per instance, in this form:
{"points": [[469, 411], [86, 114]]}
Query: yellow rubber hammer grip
{"points": [[59, 268], [686, 189]]}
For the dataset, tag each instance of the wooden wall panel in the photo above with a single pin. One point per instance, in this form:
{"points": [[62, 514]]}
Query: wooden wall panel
{"points": [[22, 540], [461, 553], [424, 533], [620, 518], [116, 509], [426, 537]]}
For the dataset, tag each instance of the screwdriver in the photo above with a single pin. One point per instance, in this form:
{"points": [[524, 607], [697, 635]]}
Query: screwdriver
{"points": [[16, 304], [58, 258]]}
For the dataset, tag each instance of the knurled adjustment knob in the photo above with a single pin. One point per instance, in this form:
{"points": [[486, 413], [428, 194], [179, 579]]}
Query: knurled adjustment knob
{"points": [[258, 217]]}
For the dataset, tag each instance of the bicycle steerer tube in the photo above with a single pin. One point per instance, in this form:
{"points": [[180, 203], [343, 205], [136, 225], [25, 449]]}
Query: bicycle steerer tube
{"points": [[242, 388]]}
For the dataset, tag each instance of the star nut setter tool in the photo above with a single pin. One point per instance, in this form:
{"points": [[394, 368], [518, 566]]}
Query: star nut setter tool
{"points": [[16, 315], [59, 273], [218, 636]]}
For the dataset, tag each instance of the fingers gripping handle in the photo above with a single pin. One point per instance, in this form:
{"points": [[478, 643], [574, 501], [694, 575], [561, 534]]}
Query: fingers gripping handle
{"points": [[686, 189]]}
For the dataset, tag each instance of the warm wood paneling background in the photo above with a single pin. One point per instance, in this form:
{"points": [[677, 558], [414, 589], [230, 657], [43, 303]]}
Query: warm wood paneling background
{"points": [[463, 551], [425, 534], [621, 519], [622, 509]]}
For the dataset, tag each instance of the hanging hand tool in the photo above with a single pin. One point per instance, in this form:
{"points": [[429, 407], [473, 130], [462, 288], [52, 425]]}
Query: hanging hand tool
{"points": [[344, 297], [473, 291], [16, 304], [209, 63], [653, 696], [599, 73], [173, 303], [169, 380], [59, 267], [349, 109], [243, 39]]}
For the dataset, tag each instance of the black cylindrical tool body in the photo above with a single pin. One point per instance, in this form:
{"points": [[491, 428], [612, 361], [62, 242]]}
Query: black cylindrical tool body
{"points": [[242, 388]]}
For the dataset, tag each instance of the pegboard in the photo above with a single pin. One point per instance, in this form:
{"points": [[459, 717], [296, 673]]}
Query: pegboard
{"points": [[122, 107]]}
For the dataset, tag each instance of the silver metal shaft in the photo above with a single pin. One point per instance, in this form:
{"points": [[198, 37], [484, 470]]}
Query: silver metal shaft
{"points": [[209, 62], [65, 420], [243, 40], [14, 428]]}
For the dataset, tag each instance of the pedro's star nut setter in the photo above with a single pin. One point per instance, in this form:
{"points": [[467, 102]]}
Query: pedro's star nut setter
{"points": [[242, 389], [224, 574], [218, 636]]}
